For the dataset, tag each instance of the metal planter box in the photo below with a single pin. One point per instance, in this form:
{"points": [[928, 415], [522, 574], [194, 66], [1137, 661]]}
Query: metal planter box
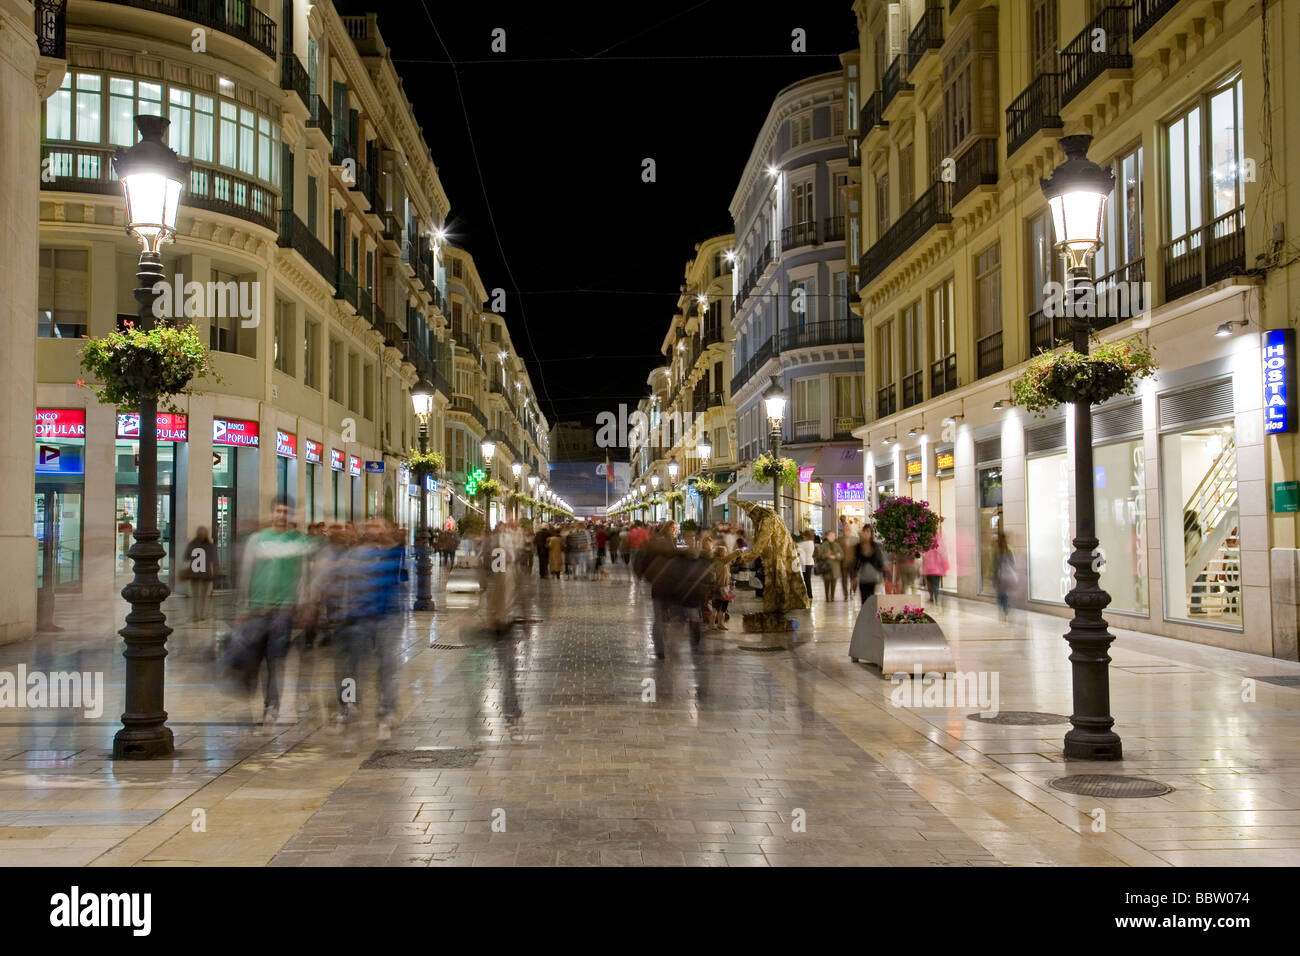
{"points": [[899, 648]]}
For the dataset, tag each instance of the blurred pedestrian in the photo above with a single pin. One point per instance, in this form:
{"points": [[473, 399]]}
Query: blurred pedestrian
{"points": [[828, 563], [806, 548], [869, 563], [934, 565], [198, 566]]}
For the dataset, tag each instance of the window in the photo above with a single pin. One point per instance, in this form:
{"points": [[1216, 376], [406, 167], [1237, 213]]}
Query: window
{"points": [[311, 204], [1048, 518], [354, 381], [182, 119], [62, 294], [1121, 523], [882, 205], [1045, 266], [906, 177], [1043, 36], [848, 402], [988, 306], [311, 354], [840, 299], [203, 127], [368, 392], [886, 397], [807, 406], [58, 111], [336, 370], [801, 129], [225, 325], [800, 305], [1122, 240], [229, 134], [910, 330], [1201, 524], [943, 343], [88, 107], [284, 336], [837, 121], [801, 205]]}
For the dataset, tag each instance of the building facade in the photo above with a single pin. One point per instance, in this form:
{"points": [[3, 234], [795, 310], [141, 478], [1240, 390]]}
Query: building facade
{"points": [[311, 230], [791, 318], [962, 107]]}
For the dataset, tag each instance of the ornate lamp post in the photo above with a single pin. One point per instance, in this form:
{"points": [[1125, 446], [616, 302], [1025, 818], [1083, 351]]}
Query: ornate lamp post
{"points": [[654, 490], [1077, 192], [532, 493], [488, 448], [774, 400], [516, 469], [705, 449], [644, 503], [673, 468], [152, 179], [422, 401]]}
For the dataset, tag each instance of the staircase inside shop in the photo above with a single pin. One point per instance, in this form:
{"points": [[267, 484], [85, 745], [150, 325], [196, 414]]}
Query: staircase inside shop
{"points": [[1211, 540]]}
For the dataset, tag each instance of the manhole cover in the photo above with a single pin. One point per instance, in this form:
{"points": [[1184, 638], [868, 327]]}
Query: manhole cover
{"points": [[1110, 785], [448, 647], [1020, 718], [429, 758], [1282, 680]]}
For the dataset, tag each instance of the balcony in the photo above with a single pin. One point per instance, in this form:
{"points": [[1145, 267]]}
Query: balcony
{"points": [[932, 209], [841, 332], [844, 425], [927, 35], [439, 380], [1081, 62], [1121, 294], [345, 287], [1206, 255], [52, 28], [800, 234], [711, 334], [913, 388], [295, 235], [393, 335], [833, 229], [751, 367], [1146, 13], [1046, 332], [886, 401], [365, 305], [1037, 108], [893, 83], [988, 354], [943, 374], [873, 114], [976, 166], [236, 18], [320, 117], [343, 149], [293, 76], [467, 406]]}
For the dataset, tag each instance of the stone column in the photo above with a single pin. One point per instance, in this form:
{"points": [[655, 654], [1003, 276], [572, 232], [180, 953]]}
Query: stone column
{"points": [[25, 79]]}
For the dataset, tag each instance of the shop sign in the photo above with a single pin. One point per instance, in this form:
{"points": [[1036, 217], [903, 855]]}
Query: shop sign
{"points": [[430, 483], [805, 474], [312, 451], [1286, 497], [235, 432], [336, 459], [849, 491], [1280, 393], [374, 468], [59, 460], [354, 465], [944, 462], [286, 445], [914, 469], [170, 427], [60, 423]]}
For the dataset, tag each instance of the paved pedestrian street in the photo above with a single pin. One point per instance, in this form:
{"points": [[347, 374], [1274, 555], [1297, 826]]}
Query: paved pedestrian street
{"points": [[568, 743]]}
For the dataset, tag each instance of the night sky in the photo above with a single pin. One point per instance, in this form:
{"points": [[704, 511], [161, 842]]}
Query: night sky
{"points": [[543, 160]]}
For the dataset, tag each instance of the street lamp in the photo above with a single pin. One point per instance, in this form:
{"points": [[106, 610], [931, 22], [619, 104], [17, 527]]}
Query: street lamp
{"points": [[152, 179], [774, 400], [489, 448], [1077, 192], [673, 468], [422, 402], [705, 449], [532, 493], [516, 469]]}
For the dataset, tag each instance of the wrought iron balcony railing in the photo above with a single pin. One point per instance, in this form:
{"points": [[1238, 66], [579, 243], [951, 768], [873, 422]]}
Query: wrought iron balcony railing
{"points": [[988, 354], [841, 332], [236, 18], [833, 229], [927, 35], [894, 82], [1206, 255], [1146, 13], [886, 401], [295, 235], [1082, 61], [943, 374], [873, 113], [932, 208], [976, 166], [320, 116], [293, 76], [52, 28], [800, 234], [1037, 108]]}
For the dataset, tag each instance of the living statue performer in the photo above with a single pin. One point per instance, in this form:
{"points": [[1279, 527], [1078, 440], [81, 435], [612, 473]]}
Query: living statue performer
{"points": [[783, 588]]}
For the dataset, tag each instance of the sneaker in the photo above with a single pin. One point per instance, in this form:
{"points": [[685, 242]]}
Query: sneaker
{"points": [[385, 730], [336, 724]]}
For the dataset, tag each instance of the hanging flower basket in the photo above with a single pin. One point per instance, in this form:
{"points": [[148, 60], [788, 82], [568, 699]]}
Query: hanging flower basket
{"points": [[707, 488], [767, 468], [470, 524], [133, 365], [488, 487], [905, 527], [424, 463], [1068, 378], [672, 496]]}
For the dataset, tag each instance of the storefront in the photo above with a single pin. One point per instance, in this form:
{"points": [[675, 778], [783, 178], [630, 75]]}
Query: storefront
{"points": [[850, 504], [885, 484], [173, 474], [943, 501], [286, 468], [1048, 465], [354, 488], [313, 453], [988, 491], [338, 503], [235, 444], [59, 497]]}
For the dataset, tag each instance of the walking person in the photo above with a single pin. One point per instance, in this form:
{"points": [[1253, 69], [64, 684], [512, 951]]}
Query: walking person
{"points": [[1006, 574], [199, 567], [934, 565], [540, 540], [849, 569], [555, 552], [869, 563], [806, 547], [828, 562], [602, 541]]}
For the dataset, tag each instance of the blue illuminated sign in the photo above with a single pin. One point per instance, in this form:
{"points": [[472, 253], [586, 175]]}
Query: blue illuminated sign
{"points": [[1280, 392]]}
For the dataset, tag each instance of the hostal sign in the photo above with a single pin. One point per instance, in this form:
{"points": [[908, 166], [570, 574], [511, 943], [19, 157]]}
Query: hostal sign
{"points": [[1280, 395]]}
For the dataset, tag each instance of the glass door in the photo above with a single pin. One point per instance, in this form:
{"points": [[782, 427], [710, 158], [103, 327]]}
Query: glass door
{"points": [[56, 513]]}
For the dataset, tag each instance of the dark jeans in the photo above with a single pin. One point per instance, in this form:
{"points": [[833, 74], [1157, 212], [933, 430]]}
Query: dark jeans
{"points": [[807, 579], [866, 589], [377, 637], [266, 639], [932, 582]]}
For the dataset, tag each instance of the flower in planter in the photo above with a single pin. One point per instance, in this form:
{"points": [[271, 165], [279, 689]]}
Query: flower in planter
{"points": [[132, 365], [905, 527], [425, 463], [1067, 377], [707, 488], [908, 615], [766, 468]]}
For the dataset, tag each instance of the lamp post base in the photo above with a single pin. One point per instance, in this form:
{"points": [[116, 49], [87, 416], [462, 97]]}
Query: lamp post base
{"points": [[144, 743], [1093, 745]]}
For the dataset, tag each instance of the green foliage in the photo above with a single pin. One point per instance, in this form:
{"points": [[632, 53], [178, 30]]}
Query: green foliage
{"points": [[904, 526], [488, 488], [690, 524], [425, 463], [672, 495], [707, 488], [1064, 378], [133, 365], [766, 468], [470, 524]]}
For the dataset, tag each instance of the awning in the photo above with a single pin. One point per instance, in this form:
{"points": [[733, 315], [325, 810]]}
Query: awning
{"points": [[745, 489], [838, 463]]}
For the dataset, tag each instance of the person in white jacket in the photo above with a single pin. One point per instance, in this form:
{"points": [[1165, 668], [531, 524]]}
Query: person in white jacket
{"points": [[805, 548]]}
